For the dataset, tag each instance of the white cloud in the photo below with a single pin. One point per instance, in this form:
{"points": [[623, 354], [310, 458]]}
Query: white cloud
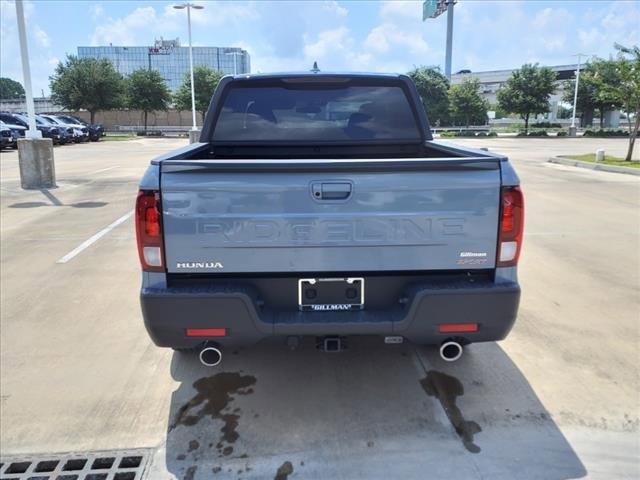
{"points": [[215, 13], [591, 38], [401, 10], [390, 36], [334, 8], [41, 36], [133, 28], [97, 11], [330, 45], [38, 42]]}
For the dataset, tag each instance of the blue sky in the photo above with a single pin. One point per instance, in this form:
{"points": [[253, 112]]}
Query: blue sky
{"points": [[351, 35]]}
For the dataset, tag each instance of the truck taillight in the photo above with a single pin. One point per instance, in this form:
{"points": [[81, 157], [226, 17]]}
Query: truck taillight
{"points": [[511, 226], [149, 231]]}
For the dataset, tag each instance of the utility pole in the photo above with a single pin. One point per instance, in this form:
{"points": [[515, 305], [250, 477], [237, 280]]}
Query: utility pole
{"points": [[189, 6]]}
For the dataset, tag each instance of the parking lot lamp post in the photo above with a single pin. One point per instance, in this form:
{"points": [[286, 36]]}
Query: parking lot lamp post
{"points": [[572, 129], [33, 132], [35, 154], [189, 6]]}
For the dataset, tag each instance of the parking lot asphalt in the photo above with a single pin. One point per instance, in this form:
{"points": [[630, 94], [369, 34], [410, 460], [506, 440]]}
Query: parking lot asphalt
{"points": [[558, 399]]}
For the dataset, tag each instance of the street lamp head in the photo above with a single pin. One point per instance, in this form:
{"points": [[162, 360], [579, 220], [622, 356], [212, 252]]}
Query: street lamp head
{"points": [[189, 5]]}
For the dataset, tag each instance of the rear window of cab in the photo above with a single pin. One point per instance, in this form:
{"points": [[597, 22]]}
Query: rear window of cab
{"points": [[315, 113]]}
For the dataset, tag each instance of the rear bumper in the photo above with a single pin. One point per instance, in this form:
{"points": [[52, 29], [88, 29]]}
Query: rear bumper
{"points": [[416, 315]]}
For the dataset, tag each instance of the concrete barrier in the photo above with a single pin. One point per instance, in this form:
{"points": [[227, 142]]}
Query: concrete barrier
{"points": [[37, 168], [194, 136]]}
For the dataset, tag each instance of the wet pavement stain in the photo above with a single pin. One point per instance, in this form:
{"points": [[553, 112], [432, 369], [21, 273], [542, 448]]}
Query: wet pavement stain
{"points": [[190, 473], [193, 445], [214, 395], [284, 471], [446, 389]]}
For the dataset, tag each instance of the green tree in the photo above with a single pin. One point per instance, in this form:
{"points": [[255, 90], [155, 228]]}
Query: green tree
{"points": [[10, 88], [433, 88], [627, 90], [87, 83], [205, 81], [466, 104], [147, 91], [527, 91], [602, 73]]}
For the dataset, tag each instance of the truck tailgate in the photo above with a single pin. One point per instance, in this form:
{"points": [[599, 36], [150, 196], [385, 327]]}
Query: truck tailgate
{"points": [[264, 216]]}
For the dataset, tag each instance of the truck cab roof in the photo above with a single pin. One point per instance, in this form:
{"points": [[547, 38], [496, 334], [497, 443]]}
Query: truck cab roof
{"points": [[388, 98], [320, 75]]}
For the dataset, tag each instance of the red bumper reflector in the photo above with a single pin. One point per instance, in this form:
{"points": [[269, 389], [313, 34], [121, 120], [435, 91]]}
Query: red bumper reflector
{"points": [[457, 327], [206, 332]]}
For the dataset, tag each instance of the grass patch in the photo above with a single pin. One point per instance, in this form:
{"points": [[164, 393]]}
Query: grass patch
{"points": [[118, 138], [608, 160]]}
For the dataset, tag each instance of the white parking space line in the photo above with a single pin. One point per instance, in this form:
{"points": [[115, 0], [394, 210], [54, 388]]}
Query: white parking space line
{"points": [[90, 241], [102, 170]]}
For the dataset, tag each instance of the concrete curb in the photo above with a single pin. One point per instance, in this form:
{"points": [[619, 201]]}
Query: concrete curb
{"points": [[595, 166]]}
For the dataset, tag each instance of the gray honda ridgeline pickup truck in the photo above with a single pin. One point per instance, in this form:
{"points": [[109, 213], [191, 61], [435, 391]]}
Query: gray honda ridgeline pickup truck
{"points": [[319, 205]]}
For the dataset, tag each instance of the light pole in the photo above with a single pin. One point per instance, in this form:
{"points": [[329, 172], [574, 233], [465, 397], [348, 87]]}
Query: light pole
{"points": [[573, 129], [35, 154], [33, 132], [189, 6]]}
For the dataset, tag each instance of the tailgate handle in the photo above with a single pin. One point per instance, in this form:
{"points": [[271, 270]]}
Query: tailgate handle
{"points": [[331, 190]]}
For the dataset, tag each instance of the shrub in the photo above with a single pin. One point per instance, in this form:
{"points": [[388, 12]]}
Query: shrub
{"points": [[448, 134], [539, 133], [153, 133], [562, 133], [467, 133], [606, 133], [546, 125]]}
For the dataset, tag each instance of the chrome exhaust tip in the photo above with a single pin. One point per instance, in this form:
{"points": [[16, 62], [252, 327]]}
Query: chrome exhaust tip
{"points": [[210, 356], [450, 351]]}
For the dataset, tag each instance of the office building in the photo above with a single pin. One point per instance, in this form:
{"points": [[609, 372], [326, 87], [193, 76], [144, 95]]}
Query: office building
{"points": [[170, 59]]}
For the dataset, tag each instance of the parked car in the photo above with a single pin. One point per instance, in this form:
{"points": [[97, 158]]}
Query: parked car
{"points": [[47, 130], [6, 137], [17, 131], [67, 134], [96, 131], [319, 205], [80, 132]]}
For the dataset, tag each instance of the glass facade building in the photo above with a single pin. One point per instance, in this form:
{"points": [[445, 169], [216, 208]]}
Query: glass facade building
{"points": [[171, 59]]}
